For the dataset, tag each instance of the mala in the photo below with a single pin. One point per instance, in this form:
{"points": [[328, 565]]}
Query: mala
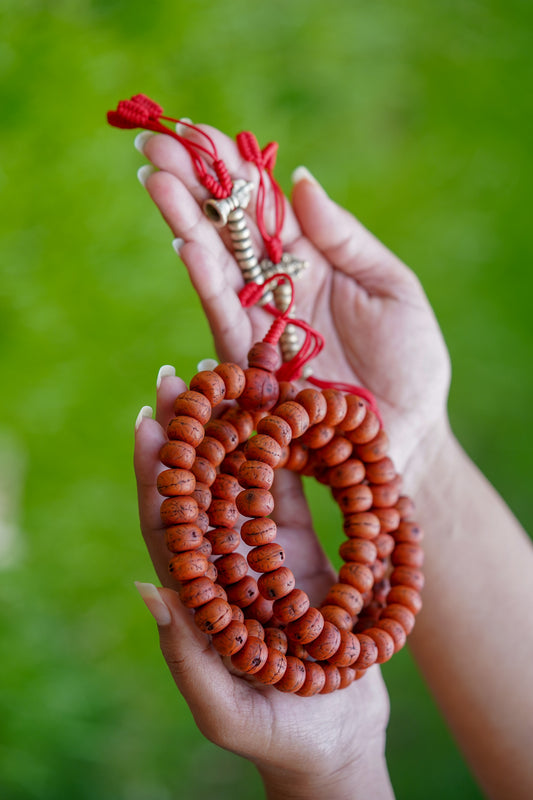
{"points": [[221, 458]]}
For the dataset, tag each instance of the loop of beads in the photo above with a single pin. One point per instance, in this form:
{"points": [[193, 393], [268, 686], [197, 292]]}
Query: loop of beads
{"points": [[217, 470]]}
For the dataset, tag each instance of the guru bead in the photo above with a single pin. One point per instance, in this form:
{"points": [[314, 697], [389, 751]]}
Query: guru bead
{"points": [[261, 391], [209, 384], [264, 356]]}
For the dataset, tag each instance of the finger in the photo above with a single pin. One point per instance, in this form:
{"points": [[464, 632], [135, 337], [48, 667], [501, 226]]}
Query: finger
{"points": [[168, 388]]}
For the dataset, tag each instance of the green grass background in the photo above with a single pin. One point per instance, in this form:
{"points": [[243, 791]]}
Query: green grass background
{"points": [[414, 115]]}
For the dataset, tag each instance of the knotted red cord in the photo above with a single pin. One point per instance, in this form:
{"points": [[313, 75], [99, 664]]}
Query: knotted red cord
{"points": [[142, 112], [265, 160]]}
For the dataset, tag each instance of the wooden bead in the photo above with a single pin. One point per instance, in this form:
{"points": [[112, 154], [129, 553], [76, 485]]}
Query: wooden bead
{"points": [[203, 470], [384, 545], [260, 609], [274, 668], [405, 596], [401, 614], [186, 429], [368, 653], [354, 499], [295, 415], [363, 525], [405, 507], [278, 428], [348, 675], [174, 482], [188, 565], [337, 406], [266, 557], [345, 596], [255, 503], [236, 612], [223, 540], [298, 457], [276, 639], [314, 403], [395, 630], [360, 550], [348, 650], [255, 628], [291, 607], [389, 518], [407, 554], [222, 514], [209, 384], [409, 532], [315, 680], [407, 576], [242, 421], [326, 643], [233, 377], [180, 538], [346, 474], [231, 568], [212, 450], [231, 639], [357, 575], [202, 495], [261, 391], [384, 643], [258, 531], [177, 454], [307, 627], [176, 510], [332, 676], [374, 450], [244, 592], [277, 583], [214, 616], [264, 356], [263, 448], [338, 616], [225, 432], [385, 495], [381, 471], [256, 474], [335, 452], [318, 436], [355, 413], [193, 404], [366, 430], [251, 657], [293, 677], [197, 592], [225, 487]]}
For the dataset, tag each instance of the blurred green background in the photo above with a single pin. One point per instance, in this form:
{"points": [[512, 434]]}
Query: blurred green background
{"points": [[414, 115]]}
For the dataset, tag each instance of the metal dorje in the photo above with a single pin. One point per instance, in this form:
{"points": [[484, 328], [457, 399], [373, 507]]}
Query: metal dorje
{"points": [[290, 265]]}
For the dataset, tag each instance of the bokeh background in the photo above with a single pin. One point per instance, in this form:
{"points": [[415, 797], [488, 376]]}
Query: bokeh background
{"points": [[414, 115]]}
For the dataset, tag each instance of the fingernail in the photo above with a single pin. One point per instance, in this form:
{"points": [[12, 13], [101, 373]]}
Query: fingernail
{"points": [[140, 140], [177, 244], [303, 174], [183, 130], [146, 412], [144, 172], [207, 363], [165, 371], [155, 605]]}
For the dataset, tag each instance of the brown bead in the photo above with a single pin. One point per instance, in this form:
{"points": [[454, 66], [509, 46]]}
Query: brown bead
{"points": [[260, 609], [233, 462], [274, 669], [257, 416], [376, 449], [384, 544], [355, 413], [188, 565], [261, 391], [278, 428], [348, 675], [285, 453], [231, 568], [222, 514], [202, 520], [386, 495], [174, 482], [177, 454], [202, 495], [363, 525], [225, 487], [298, 457], [338, 616], [382, 471], [315, 680], [180, 538], [233, 377], [242, 421], [333, 678], [277, 583], [293, 677], [255, 502], [409, 532], [357, 575], [407, 576], [395, 630], [263, 448], [223, 540], [225, 433], [266, 557], [353, 499], [186, 429], [220, 592], [360, 550], [197, 592], [379, 568], [405, 507], [203, 470], [326, 643], [407, 554], [204, 547], [318, 436], [258, 531], [298, 650], [236, 612], [251, 657], [348, 650], [176, 510], [291, 607], [255, 628], [212, 450], [368, 654], [287, 391], [211, 571], [314, 403], [193, 404], [367, 430], [264, 356], [307, 627], [276, 639], [401, 614], [256, 474], [384, 643], [337, 406], [405, 596], [214, 616], [244, 592], [209, 384], [231, 639], [335, 452], [381, 590], [345, 596], [346, 474], [295, 415], [389, 518]]}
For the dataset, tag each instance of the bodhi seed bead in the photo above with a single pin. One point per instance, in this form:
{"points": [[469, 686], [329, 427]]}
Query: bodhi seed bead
{"points": [[287, 391], [276, 639], [379, 568], [258, 531], [225, 432], [407, 576], [186, 429], [337, 406], [353, 499], [214, 616], [233, 377], [405, 596], [209, 384], [348, 651], [202, 495], [236, 613], [205, 548], [180, 538], [363, 525], [315, 680], [345, 596], [307, 627], [357, 575], [177, 454], [263, 448], [266, 557], [276, 584], [264, 356], [355, 413], [366, 431], [254, 628], [255, 503], [395, 630], [293, 677], [314, 403], [338, 616], [401, 614], [188, 565], [197, 592], [381, 471], [295, 415], [273, 669], [193, 404], [231, 568], [405, 507], [202, 520], [298, 457], [409, 532], [389, 518], [176, 510], [346, 474], [278, 428], [223, 540], [244, 592], [333, 678], [291, 607], [368, 653], [211, 571], [326, 643], [261, 391], [211, 449], [204, 471], [256, 474], [374, 450], [318, 436], [225, 487], [335, 452], [384, 495], [230, 639], [348, 675], [260, 609], [384, 643], [407, 554], [360, 550], [384, 545], [242, 421], [174, 482], [222, 514]]}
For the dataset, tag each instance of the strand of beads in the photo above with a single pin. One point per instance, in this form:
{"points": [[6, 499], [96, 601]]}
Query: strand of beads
{"points": [[217, 470]]}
